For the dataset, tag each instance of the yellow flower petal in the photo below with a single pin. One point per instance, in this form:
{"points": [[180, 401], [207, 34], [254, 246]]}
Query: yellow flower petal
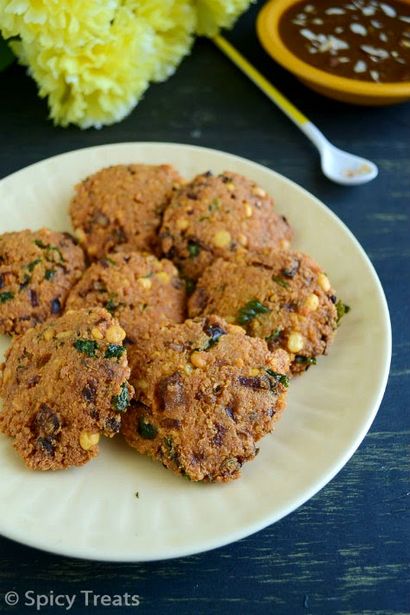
{"points": [[216, 14]]}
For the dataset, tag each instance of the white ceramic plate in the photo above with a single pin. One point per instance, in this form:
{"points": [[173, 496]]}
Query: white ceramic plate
{"points": [[93, 512]]}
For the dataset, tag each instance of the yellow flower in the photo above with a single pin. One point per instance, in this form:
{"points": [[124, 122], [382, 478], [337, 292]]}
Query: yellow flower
{"points": [[98, 83], [93, 59], [216, 14], [56, 22], [173, 22]]}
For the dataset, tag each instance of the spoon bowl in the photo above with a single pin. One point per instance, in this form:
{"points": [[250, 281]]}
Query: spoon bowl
{"points": [[340, 166], [345, 168]]}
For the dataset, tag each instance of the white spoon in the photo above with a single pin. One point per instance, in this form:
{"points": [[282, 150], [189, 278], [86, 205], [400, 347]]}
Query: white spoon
{"points": [[338, 165]]}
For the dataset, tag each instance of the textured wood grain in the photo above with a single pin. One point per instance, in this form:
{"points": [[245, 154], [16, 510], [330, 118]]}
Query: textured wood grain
{"points": [[346, 551]]}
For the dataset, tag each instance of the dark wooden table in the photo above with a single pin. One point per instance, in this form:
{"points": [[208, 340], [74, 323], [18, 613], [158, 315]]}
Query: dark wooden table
{"points": [[347, 550]]}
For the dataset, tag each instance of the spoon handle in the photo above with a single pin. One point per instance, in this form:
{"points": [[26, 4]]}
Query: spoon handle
{"points": [[308, 128]]}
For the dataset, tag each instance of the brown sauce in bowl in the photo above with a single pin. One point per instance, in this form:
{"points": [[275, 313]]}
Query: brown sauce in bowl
{"points": [[366, 40]]}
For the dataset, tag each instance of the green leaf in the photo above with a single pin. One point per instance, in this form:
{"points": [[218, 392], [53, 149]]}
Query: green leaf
{"points": [[280, 281], [341, 309], [305, 360], [214, 332], [6, 296], [31, 266], [25, 282], [88, 347], [273, 337], [277, 378], [170, 449], [190, 285], [7, 57], [49, 249], [121, 402], [250, 310], [114, 351], [112, 304], [146, 430], [49, 274], [193, 248], [215, 205]]}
